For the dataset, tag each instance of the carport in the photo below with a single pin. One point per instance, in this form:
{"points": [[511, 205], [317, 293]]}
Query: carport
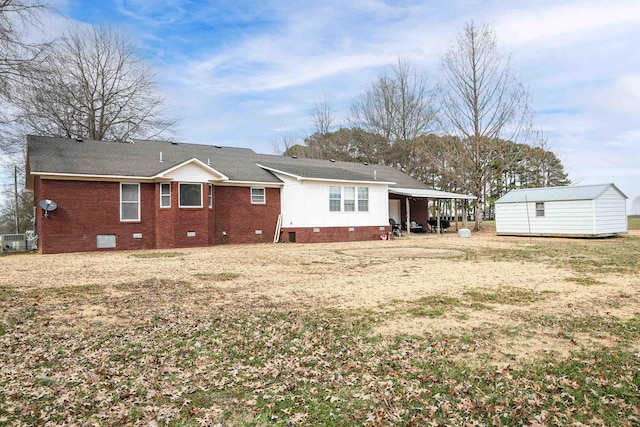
{"points": [[438, 197]]}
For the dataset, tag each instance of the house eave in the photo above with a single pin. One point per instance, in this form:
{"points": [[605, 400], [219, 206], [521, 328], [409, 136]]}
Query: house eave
{"points": [[89, 177], [208, 168], [250, 184], [336, 180]]}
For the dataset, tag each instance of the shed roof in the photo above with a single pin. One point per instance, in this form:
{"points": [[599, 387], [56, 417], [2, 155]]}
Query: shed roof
{"points": [[551, 194]]}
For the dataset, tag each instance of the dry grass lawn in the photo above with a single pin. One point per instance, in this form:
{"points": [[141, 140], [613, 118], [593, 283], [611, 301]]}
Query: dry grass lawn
{"points": [[409, 331]]}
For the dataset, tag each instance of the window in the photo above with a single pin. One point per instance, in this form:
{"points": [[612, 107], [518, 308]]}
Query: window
{"points": [[165, 195], [210, 196], [334, 198], [258, 196], [129, 202], [363, 199], [349, 199], [539, 208], [190, 195]]}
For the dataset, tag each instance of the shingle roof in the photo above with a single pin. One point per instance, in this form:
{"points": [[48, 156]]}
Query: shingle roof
{"points": [[550, 194], [142, 159]]}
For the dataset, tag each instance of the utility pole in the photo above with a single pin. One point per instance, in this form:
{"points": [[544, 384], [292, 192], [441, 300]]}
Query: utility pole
{"points": [[15, 189]]}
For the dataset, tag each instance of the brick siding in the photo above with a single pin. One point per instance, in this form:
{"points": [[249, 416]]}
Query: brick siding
{"points": [[237, 219], [89, 208], [333, 234]]}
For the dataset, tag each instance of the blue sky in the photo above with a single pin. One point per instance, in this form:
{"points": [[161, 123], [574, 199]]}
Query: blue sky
{"points": [[244, 73]]}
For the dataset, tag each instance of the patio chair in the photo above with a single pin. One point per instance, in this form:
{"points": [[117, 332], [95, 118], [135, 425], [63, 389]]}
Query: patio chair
{"points": [[415, 227], [395, 228]]}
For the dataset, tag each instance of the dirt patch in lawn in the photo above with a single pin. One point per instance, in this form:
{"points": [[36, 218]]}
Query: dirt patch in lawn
{"points": [[404, 252]]}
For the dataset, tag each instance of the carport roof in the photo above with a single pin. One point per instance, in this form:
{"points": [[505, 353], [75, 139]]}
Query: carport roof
{"points": [[429, 194]]}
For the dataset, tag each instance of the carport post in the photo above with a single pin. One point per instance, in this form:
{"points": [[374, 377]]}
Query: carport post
{"points": [[455, 211], [438, 214], [408, 216]]}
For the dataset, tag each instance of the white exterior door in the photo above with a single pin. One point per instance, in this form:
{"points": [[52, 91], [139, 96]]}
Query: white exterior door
{"points": [[394, 210]]}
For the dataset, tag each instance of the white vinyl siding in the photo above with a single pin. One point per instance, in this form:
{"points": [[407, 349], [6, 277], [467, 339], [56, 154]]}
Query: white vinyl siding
{"points": [[129, 202], [611, 213], [304, 204], [604, 215], [165, 195], [258, 196], [190, 195]]}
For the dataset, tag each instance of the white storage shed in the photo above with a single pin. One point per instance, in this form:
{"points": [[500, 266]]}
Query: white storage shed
{"points": [[571, 211]]}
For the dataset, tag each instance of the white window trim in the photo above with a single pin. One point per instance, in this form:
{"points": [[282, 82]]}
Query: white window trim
{"points": [[353, 201], [264, 195], [358, 199], [540, 210], [161, 185], [338, 199], [122, 202], [180, 205], [210, 195]]}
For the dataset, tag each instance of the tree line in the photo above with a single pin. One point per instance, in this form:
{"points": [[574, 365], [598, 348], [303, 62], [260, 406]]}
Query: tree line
{"points": [[471, 133]]}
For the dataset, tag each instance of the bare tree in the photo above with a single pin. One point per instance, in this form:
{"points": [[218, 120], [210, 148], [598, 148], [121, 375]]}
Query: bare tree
{"points": [[323, 116], [18, 56], [93, 86], [483, 103], [399, 107], [285, 143]]}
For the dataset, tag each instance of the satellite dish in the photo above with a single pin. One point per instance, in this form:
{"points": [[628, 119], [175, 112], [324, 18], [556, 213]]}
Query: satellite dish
{"points": [[48, 205]]}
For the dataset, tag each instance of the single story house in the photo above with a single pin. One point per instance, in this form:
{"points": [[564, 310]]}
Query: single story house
{"points": [[574, 211], [141, 194]]}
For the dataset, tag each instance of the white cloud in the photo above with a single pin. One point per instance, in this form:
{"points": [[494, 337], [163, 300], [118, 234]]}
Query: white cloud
{"points": [[565, 23], [623, 97]]}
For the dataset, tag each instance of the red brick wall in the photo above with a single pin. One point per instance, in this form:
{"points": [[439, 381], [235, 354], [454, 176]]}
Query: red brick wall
{"points": [[88, 208], [174, 223], [334, 234], [239, 218], [418, 208], [166, 218]]}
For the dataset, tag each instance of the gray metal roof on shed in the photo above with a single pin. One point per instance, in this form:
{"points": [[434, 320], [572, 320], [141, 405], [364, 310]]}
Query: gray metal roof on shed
{"points": [[551, 194]]}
